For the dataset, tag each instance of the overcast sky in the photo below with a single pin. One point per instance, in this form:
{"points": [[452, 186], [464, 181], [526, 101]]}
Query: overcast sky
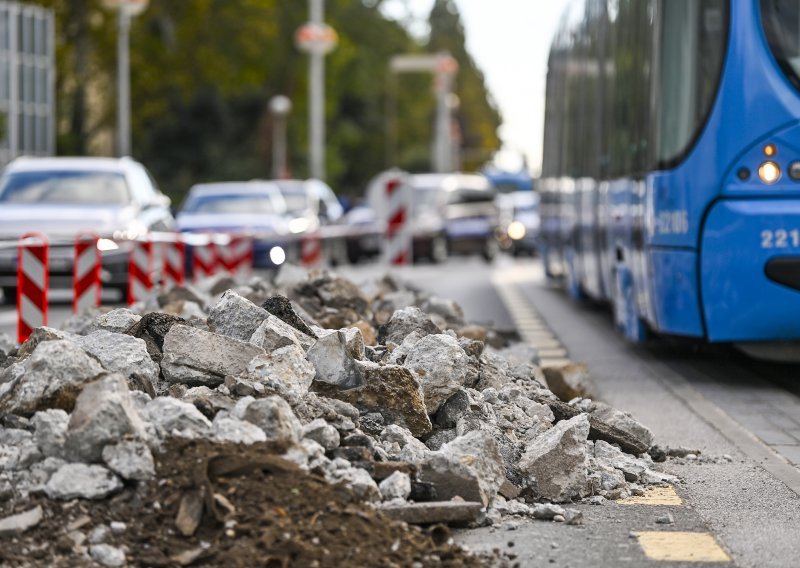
{"points": [[509, 40]]}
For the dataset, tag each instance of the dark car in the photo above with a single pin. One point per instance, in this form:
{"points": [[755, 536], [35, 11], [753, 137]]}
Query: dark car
{"points": [[251, 207], [521, 222], [115, 199]]}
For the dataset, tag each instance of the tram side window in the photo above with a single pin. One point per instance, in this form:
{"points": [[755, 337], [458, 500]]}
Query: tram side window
{"points": [[782, 26], [693, 38]]}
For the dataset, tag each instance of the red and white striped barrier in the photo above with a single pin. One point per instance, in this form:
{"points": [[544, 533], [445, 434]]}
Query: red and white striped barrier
{"points": [[204, 261], [32, 284], [398, 239], [140, 271], [86, 285], [311, 250], [174, 273], [236, 257]]}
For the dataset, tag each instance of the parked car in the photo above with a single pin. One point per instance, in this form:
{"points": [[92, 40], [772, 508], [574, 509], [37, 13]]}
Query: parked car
{"points": [[251, 207], [365, 233], [309, 204], [116, 199], [454, 214], [520, 222]]}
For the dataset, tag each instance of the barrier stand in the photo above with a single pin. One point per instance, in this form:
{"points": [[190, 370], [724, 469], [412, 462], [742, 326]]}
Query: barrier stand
{"points": [[86, 284], [398, 241], [311, 250], [140, 271], [32, 283], [236, 257], [174, 273]]}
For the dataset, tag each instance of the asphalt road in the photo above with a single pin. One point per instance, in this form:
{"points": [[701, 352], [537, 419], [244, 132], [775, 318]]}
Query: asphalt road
{"points": [[743, 415]]}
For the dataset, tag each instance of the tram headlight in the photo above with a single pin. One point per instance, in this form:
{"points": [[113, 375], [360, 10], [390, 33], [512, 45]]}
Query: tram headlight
{"points": [[794, 170], [769, 172], [516, 230]]}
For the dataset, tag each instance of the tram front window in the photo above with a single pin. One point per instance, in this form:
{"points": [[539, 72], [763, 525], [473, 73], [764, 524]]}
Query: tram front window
{"points": [[781, 20]]}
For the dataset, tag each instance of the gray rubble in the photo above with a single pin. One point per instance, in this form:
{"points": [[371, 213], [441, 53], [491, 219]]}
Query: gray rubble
{"points": [[389, 393]]}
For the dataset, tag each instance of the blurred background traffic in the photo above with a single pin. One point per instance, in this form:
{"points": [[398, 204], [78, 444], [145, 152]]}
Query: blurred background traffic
{"points": [[269, 118]]}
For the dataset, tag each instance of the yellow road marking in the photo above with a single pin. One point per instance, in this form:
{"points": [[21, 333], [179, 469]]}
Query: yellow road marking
{"points": [[681, 547], [654, 496]]}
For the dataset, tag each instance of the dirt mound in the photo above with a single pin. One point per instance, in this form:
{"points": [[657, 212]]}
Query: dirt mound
{"points": [[244, 506]]}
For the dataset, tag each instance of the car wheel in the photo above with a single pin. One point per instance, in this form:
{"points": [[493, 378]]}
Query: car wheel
{"points": [[439, 250], [10, 295], [491, 249]]}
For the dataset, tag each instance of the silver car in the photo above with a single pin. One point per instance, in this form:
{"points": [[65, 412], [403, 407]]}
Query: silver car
{"points": [[115, 199]]}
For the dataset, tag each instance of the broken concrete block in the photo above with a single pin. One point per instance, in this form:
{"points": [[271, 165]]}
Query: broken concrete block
{"points": [[547, 511], [121, 354], [353, 340], [15, 525], [569, 381], [391, 390], [396, 486], [196, 357], [235, 431], [469, 467], [285, 368], [282, 308], [236, 317], [116, 321], [172, 417], [452, 409], [449, 310], [81, 481], [323, 433], [103, 414], [405, 321], [433, 512], [494, 371], [441, 367], [358, 481], [130, 459], [624, 422], [273, 333], [275, 417], [40, 335], [50, 431], [555, 460], [51, 377], [333, 362]]}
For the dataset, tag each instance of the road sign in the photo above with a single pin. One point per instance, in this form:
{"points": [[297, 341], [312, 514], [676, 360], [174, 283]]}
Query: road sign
{"points": [[317, 38]]}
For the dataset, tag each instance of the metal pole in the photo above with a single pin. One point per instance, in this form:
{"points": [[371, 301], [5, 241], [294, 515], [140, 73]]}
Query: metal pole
{"points": [[443, 143], [123, 83], [317, 99], [278, 146]]}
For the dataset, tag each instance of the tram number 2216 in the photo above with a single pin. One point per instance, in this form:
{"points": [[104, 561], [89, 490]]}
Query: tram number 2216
{"points": [[780, 239]]}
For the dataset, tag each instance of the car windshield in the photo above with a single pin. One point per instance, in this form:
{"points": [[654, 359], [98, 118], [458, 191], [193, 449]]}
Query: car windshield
{"points": [[64, 188], [231, 204], [426, 200], [295, 195], [781, 19], [470, 195]]}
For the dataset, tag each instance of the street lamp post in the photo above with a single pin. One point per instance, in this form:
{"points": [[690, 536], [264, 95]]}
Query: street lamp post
{"points": [[317, 39], [126, 9], [280, 107]]}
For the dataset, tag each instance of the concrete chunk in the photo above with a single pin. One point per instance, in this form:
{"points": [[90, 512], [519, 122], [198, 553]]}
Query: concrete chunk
{"points": [[447, 512], [81, 481], [17, 524]]}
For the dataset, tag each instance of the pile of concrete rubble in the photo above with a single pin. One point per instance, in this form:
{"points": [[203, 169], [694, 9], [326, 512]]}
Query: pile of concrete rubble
{"points": [[382, 389]]}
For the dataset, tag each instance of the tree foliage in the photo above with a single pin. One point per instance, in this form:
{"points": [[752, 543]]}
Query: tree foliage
{"points": [[203, 71]]}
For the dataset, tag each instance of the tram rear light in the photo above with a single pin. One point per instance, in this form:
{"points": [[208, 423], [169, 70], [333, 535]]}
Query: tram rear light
{"points": [[769, 172], [770, 150]]}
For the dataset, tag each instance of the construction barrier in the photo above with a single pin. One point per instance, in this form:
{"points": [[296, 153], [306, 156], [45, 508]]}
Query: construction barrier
{"points": [[32, 284], [311, 250], [86, 284], [204, 261], [174, 267], [399, 238], [140, 271], [236, 256]]}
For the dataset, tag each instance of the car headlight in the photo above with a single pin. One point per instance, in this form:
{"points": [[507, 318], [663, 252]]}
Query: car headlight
{"points": [[516, 230], [105, 245], [277, 255]]}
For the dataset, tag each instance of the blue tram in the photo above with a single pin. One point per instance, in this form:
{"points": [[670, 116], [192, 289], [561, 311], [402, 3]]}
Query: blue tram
{"points": [[671, 168]]}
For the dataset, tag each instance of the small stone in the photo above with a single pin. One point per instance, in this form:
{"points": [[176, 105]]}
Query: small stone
{"points": [[275, 417], [559, 518], [107, 555], [174, 417], [323, 433], [404, 322], [130, 459], [281, 307], [17, 524], [569, 381], [118, 527], [236, 317], [441, 367], [665, 519], [548, 511], [235, 431], [574, 517], [396, 486], [50, 431], [81, 481], [116, 321]]}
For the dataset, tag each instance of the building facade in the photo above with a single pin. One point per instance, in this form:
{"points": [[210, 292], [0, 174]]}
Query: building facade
{"points": [[27, 81]]}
